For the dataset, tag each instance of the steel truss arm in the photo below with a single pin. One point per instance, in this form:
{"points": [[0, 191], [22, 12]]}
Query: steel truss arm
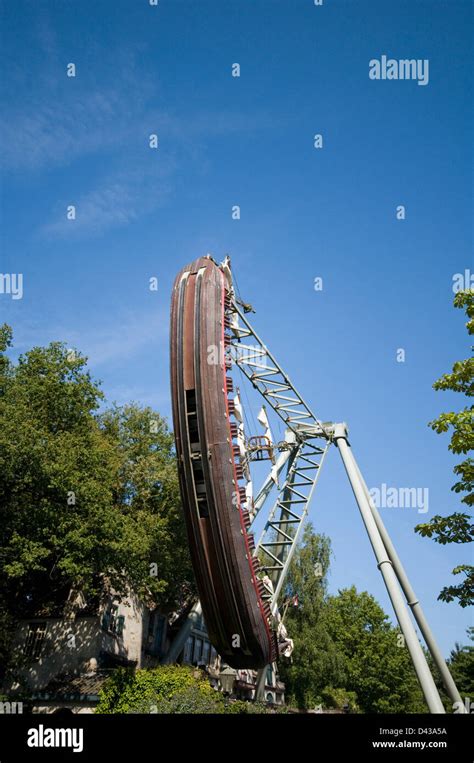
{"points": [[283, 528], [260, 367], [282, 531]]}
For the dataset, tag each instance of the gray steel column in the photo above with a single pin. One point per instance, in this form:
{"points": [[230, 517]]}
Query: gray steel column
{"points": [[269, 484], [413, 602], [181, 637], [385, 566], [260, 684]]}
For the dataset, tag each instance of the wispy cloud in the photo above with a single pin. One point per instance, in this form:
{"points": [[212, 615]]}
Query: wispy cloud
{"points": [[55, 133], [48, 135], [105, 341], [113, 344], [146, 178], [119, 199], [123, 337], [72, 120]]}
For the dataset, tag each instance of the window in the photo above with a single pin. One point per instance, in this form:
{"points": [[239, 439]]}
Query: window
{"points": [[119, 625], [155, 633], [188, 650], [108, 616], [112, 621], [151, 628], [197, 651], [206, 652], [34, 641], [269, 678], [159, 632]]}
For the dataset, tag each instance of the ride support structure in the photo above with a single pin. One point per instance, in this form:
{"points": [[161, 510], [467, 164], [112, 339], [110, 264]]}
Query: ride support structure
{"points": [[301, 455]]}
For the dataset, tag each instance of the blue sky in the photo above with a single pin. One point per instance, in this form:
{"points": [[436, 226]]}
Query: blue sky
{"points": [[305, 213]]}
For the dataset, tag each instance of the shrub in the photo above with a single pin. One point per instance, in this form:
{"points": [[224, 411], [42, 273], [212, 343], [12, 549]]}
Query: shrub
{"points": [[141, 691], [339, 697]]}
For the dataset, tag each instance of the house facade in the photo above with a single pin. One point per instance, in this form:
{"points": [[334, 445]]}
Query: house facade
{"points": [[63, 659], [199, 652]]}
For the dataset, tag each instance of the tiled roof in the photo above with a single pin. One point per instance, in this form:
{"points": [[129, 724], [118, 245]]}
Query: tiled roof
{"points": [[70, 687]]}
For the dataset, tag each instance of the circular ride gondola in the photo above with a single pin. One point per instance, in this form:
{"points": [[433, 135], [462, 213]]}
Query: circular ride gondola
{"points": [[211, 471]]}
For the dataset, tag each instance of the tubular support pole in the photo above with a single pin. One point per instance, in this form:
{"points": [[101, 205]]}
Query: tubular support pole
{"points": [[413, 602], [180, 639], [268, 485], [261, 683], [388, 573]]}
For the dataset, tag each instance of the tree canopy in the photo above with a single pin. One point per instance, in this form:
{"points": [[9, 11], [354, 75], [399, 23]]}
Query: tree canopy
{"points": [[346, 650], [87, 496], [461, 665], [376, 663], [458, 526], [168, 689], [316, 663]]}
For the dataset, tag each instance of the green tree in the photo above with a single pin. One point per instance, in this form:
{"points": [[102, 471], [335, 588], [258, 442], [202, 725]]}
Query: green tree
{"points": [[168, 689], [461, 665], [376, 663], [458, 527], [147, 492], [158, 690], [315, 662], [346, 650], [86, 498]]}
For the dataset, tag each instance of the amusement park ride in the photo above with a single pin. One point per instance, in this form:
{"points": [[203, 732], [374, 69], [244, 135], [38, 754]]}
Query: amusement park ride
{"points": [[240, 581]]}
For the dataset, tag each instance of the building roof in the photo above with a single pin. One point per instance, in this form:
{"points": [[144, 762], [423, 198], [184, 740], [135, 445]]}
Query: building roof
{"points": [[84, 688]]}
